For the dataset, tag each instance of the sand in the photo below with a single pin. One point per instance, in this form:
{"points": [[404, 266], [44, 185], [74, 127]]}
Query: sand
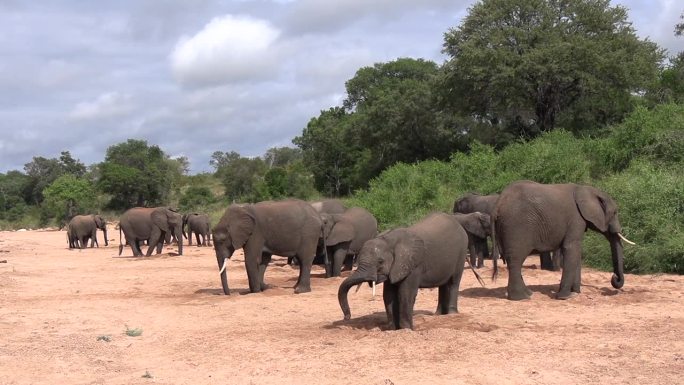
{"points": [[58, 308]]}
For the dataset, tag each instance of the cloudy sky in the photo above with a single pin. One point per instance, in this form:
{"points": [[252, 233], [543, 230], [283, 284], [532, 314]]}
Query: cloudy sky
{"points": [[196, 76]]}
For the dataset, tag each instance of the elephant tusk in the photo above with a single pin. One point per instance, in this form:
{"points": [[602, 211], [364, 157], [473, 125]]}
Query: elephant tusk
{"points": [[223, 268], [373, 286], [357, 288], [625, 239]]}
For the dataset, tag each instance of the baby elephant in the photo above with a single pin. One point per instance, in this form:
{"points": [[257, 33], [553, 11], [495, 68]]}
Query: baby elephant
{"points": [[430, 253], [200, 225]]}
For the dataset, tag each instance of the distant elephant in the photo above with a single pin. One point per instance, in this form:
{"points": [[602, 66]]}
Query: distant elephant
{"points": [[329, 206], [344, 234], [430, 253], [200, 225], [470, 203], [478, 227], [287, 228], [531, 217], [84, 227], [151, 224]]}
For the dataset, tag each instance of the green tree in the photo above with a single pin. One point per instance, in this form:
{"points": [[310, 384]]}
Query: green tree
{"points": [[15, 189], [67, 196], [281, 156], [239, 175], [531, 65], [195, 198], [138, 174], [43, 171]]}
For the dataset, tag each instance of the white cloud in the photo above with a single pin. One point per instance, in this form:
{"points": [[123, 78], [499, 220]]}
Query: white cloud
{"points": [[228, 49], [107, 105]]}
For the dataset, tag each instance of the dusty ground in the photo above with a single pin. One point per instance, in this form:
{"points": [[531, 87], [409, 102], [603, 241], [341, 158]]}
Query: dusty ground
{"points": [[55, 303]]}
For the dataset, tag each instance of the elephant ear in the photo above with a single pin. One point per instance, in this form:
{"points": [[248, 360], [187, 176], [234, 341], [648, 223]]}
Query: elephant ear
{"points": [[240, 225], [160, 219], [408, 252], [341, 232], [592, 206], [99, 222], [476, 224]]}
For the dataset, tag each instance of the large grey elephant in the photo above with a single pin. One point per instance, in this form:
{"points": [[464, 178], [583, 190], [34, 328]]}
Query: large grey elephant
{"points": [[84, 227], [200, 225], [153, 224], [471, 203], [430, 253], [344, 234], [288, 228], [478, 227], [531, 217]]}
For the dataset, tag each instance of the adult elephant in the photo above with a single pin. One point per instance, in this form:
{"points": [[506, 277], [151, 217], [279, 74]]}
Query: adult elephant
{"points": [[472, 203], [344, 234], [200, 225], [84, 227], [478, 227], [151, 224], [289, 228], [531, 217], [430, 253]]}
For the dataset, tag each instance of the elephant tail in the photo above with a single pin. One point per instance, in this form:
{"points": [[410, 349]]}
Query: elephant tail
{"points": [[479, 278], [495, 246], [120, 244]]}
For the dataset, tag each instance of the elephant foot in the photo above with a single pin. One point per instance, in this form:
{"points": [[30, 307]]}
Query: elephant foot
{"points": [[301, 289], [519, 295], [569, 295]]}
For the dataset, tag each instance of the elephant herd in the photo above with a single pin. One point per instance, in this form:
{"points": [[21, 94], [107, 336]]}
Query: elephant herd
{"points": [[525, 218]]}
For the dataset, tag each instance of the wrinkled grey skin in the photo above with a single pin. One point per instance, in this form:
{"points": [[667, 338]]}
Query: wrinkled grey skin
{"points": [[84, 227], [151, 224], [289, 228], [478, 227], [344, 234], [430, 253], [200, 225], [532, 217], [471, 203]]}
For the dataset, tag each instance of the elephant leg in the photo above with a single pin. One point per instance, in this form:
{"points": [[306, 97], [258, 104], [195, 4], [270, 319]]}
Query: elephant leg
{"points": [[473, 251], [329, 261], [189, 236], [453, 285], [557, 260], [304, 282], [252, 266], [338, 260], [390, 297], [156, 237], [516, 285], [570, 279], [84, 241], [93, 239], [165, 238], [265, 260], [546, 261], [135, 246], [408, 290], [197, 238], [442, 300]]}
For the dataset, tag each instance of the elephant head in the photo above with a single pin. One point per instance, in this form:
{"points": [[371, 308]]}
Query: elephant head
{"points": [[170, 222], [599, 210], [391, 256], [230, 234], [477, 223], [336, 231], [102, 225]]}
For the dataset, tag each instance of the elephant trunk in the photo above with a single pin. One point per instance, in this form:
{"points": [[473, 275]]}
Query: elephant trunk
{"points": [[222, 259], [359, 276], [618, 279], [104, 231], [179, 239]]}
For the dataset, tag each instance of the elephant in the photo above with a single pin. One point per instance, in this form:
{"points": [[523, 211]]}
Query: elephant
{"points": [[84, 227], [430, 253], [151, 224], [200, 225], [470, 203], [478, 227], [329, 206], [344, 234], [287, 228], [531, 216]]}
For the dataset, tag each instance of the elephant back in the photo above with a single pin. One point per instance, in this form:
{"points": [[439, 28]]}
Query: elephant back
{"points": [[365, 226]]}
